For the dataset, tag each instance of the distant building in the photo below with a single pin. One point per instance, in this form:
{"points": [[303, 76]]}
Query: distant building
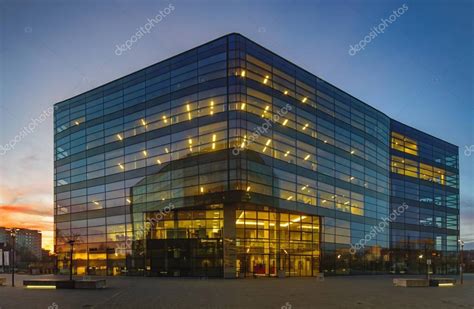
{"points": [[25, 239], [469, 261]]}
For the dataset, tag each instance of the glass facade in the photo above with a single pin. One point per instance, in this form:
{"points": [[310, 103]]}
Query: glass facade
{"points": [[424, 175], [228, 160]]}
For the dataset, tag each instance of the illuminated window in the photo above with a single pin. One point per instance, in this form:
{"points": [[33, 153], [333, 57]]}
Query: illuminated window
{"points": [[417, 170], [404, 144]]}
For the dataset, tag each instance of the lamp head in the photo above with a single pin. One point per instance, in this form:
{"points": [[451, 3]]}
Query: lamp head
{"points": [[13, 232]]}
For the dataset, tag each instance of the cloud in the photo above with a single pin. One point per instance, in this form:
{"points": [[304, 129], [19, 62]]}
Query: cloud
{"points": [[27, 209], [30, 217], [467, 219]]}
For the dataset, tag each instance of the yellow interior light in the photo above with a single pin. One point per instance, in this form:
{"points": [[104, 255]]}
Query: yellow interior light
{"points": [[128, 201], [188, 108], [158, 161], [287, 153], [202, 189], [190, 141], [76, 122], [243, 142], [266, 79], [242, 73], [286, 92], [352, 152], [285, 122], [264, 148], [145, 153], [212, 108], [248, 188], [243, 106], [307, 157], [121, 166], [213, 141], [289, 198], [119, 137], [304, 99], [164, 119], [305, 126], [166, 150], [143, 122], [41, 287], [268, 142]]}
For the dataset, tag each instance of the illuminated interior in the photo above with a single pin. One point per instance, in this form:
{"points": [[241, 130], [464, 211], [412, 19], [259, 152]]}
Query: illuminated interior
{"points": [[404, 144], [419, 170], [268, 241]]}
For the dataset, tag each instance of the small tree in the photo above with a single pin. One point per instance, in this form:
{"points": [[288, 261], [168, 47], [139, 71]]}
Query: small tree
{"points": [[71, 239]]}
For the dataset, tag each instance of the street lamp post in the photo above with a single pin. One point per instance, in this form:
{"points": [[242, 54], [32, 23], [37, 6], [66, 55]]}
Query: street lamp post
{"points": [[461, 263], [420, 262], [13, 236], [71, 243]]}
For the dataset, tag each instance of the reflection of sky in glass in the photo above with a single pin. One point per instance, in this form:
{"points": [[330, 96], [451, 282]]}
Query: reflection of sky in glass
{"points": [[419, 71]]}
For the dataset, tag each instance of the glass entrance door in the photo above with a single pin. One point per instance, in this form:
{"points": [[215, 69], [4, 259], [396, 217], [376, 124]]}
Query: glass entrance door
{"points": [[300, 266]]}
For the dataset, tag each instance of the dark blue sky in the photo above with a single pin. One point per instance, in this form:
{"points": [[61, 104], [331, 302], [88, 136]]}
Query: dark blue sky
{"points": [[419, 71]]}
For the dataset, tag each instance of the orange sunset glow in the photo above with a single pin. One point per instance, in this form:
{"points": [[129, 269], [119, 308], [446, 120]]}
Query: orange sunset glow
{"points": [[28, 209]]}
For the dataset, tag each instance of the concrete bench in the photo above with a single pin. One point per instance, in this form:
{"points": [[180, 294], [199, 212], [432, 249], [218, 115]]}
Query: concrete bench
{"points": [[3, 281], [48, 284], [64, 284], [90, 284], [442, 282], [411, 282]]}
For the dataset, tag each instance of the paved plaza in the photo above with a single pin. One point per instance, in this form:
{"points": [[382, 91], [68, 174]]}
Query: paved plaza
{"points": [[290, 293]]}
